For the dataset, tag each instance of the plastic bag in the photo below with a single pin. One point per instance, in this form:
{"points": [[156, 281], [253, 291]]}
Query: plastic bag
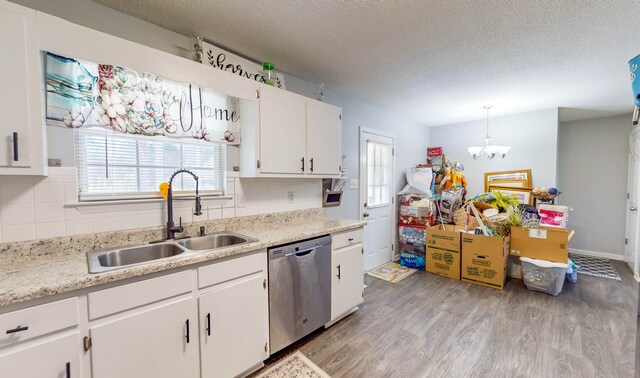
{"points": [[418, 181], [571, 273]]}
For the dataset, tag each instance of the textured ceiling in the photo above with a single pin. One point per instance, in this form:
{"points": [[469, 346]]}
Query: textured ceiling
{"points": [[436, 62]]}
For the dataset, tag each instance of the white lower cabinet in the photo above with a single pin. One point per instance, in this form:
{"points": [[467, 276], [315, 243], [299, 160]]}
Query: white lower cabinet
{"points": [[210, 321], [52, 358], [234, 333], [159, 342], [347, 284]]}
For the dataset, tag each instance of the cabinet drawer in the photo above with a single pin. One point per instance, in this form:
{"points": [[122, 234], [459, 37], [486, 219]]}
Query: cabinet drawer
{"points": [[346, 238], [116, 299], [38, 320], [224, 271]]}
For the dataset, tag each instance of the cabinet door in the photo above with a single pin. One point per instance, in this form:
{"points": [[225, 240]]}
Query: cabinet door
{"points": [[160, 342], [54, 358], [18, 70], [234, 327], [282, 131], [348, 279], [324, 138]]}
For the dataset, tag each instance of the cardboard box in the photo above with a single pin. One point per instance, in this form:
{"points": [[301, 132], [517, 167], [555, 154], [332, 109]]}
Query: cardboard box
{"points": [[443, 251], [485, 260], [412, 256], [544, 243]]}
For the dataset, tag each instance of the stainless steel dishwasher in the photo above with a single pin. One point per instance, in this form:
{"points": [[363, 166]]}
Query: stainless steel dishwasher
{"points": [[299, 290]]}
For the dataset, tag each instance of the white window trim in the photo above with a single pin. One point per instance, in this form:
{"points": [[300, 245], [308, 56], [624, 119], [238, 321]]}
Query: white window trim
{"points": [[149, 197], [155, 204], [145, 204]]}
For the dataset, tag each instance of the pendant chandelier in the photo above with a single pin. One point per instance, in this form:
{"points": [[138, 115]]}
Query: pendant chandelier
{"points": [[490, 150]]}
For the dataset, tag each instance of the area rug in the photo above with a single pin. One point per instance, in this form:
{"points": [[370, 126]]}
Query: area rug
{"points": [[595, 266], [391, 272], [297, 365]]}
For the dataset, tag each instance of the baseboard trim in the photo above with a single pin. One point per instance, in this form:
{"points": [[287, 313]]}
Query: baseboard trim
{"points": [[611, 256]]}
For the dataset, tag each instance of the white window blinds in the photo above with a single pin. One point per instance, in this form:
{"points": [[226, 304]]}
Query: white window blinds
{"points": [[119, 166]]}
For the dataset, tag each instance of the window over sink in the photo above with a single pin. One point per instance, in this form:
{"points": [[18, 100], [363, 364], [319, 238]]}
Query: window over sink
{"points": [[115, 166]]}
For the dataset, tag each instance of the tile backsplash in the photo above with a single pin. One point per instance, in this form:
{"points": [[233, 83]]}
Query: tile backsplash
{"points": [[44, 207]]}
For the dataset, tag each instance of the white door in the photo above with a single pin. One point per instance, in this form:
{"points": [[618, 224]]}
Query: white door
{"points": [[19, 63], [631, 242], [55, 358], [324, 136], [161, 342], [347, 285], [376, 197], [234, 327], [282, 131]]}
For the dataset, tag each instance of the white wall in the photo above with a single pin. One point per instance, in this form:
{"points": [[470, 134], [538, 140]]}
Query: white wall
{"points": [[533, 137], [592, 175], [411, 139]]}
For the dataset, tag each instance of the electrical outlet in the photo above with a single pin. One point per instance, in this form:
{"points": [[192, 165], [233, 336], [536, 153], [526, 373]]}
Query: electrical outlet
{"points": [[353, 184], [291, 196]]}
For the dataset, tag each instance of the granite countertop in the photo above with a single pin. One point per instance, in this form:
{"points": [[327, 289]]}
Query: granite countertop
{"points": [[44, 268]]}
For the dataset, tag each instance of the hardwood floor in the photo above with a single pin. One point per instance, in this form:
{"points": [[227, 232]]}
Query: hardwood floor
{"points": [[431, 326]]}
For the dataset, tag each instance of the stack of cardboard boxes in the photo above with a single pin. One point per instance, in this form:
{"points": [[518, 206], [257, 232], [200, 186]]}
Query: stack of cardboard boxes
{"points": [[483, 260], [472, 258]]}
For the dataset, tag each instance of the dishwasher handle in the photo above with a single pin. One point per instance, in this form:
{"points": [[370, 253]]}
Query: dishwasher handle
{"points": [[301, 253]]}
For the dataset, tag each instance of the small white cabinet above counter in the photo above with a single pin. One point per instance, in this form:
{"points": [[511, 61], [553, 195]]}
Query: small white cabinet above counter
{"points": [[21, 129], [292, 136]]}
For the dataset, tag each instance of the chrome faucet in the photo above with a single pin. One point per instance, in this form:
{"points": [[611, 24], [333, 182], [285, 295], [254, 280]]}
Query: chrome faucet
{"points": [[172, 229]]}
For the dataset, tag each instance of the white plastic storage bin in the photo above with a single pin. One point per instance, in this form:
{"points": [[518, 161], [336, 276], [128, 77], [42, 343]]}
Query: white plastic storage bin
{"points": [[541, 275]]}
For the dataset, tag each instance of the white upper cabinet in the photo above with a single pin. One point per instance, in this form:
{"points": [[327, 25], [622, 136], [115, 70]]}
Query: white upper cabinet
{"points": [[282, 131], [21, 127], [324, 138], [293, 136]]}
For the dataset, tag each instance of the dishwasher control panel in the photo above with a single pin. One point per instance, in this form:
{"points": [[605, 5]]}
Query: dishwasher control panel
{"points": [[275, 252]]}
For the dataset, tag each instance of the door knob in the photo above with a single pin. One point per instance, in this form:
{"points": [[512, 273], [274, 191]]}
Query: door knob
{"points": [[633, 208], [366, 215]]}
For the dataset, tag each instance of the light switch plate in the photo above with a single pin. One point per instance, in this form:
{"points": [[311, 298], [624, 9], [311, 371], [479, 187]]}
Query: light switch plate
{"points": [[353, 184]]}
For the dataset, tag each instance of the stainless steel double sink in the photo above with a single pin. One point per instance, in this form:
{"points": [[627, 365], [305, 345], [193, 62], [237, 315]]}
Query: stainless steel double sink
{"points": [[116, 258]]}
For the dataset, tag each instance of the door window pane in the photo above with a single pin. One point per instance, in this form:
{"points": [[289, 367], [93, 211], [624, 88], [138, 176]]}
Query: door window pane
{"points": [[378, 173]]}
